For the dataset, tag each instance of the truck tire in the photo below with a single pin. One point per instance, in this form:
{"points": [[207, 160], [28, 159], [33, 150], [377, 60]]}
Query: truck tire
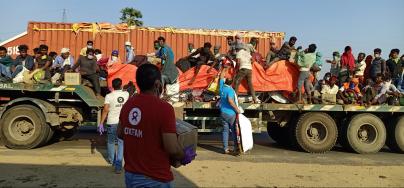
{"points": [[24, 127], [277, 133], [49, 137], [315, 132], [66, 134], [365, 133], [395, 132]]}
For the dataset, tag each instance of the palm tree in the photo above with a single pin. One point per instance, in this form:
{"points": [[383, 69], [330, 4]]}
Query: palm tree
{"points": [[131, 16]]}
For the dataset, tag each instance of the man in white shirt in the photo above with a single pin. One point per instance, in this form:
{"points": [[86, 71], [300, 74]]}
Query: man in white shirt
{"points": [[112, 108], [330, 88], [360, 67], [385, 90], [243, 59]]}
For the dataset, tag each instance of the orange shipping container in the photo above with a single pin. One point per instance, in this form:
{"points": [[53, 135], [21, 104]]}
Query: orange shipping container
{"points": [[108, 37]]}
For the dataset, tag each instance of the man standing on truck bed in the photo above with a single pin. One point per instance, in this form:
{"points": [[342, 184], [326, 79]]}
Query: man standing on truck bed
{"points": [[112, 108], [148, 128], [88, 69]]}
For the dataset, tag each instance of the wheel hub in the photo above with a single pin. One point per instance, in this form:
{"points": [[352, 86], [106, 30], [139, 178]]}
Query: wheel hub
{"points": [[24, 126], [367, 133], [363, 134], [314, 132]]}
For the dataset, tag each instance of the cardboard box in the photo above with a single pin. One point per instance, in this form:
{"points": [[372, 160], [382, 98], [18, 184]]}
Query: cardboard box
{"points": [[329, 99], [72, 78], [187, 136]]}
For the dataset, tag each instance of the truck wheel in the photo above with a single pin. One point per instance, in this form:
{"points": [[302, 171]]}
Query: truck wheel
{"points": [[277, 133], [395, 131], [24, 127], [365, 133], [316, 132]]}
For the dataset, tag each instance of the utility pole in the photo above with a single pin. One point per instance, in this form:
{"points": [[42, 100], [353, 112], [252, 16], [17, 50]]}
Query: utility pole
{"points": [[64, 17]]}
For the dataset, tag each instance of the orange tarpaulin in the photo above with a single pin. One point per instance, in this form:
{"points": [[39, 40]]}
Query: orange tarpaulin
{"points": [[126, 72], [281, 76]]}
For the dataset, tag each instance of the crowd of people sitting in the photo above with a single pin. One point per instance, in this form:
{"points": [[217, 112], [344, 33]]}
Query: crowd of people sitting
{"points": [[366, 80]]}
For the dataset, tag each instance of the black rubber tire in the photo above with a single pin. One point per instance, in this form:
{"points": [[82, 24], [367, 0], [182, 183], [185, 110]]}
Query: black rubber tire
{"points": [[50, 136], [32, 114], [395, 135], [329, 132], [375, 123], [278, 134], [65, 134]]}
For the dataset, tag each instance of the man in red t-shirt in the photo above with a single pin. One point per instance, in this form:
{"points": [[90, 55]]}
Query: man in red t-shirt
{"points": [[148, 128]]}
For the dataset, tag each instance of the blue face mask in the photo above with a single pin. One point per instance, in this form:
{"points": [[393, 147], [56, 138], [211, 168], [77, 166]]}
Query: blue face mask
{"points": [[128, 48]]}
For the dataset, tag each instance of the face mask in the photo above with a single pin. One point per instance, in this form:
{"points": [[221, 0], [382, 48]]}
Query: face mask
{"points": [[90, 56], [336, 58], [98, 56], [114, 58], [89, 46], [44, 57], [388, 83], [377, 55], [128, 48], [327, 78]]}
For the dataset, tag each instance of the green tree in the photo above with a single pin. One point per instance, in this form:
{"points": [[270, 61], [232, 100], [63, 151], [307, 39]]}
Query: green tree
{"points": [[131, 16]]}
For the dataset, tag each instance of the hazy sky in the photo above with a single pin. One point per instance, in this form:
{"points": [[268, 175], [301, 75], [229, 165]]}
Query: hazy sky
{"points": [[363, 24]]}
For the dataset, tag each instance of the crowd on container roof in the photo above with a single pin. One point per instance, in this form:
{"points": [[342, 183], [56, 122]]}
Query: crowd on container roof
{"points": [[366, 80]]}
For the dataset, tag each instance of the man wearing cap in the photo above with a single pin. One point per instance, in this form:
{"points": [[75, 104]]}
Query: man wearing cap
{"points": [[130, 52], [243, 59], [335, 63], [64, 61], [114, 58]]}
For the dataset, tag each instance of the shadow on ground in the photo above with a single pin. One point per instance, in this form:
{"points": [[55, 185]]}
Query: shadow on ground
{"points": [[28, 175]]}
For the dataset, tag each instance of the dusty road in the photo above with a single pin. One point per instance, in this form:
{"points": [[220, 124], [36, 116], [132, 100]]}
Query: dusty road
{"points": [[80, 162]]}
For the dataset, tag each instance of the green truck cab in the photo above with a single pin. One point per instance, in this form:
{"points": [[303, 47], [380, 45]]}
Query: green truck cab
{"points": [[30, 114]]}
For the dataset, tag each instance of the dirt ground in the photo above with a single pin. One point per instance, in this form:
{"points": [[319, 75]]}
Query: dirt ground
{"points": [[81, 163]]}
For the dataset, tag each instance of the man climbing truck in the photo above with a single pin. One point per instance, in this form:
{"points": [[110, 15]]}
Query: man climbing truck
{"points": [[314, 128], [31, 114]]}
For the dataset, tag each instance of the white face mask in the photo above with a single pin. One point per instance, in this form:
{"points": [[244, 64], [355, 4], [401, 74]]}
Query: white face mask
{"points": [[98, 56], [90, 56], [377, 55], [388, 83], [114, 58], [89, 46]]}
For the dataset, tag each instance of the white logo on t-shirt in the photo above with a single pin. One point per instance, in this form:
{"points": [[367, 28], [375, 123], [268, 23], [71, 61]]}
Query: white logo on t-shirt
{"points": [[135, 115]]}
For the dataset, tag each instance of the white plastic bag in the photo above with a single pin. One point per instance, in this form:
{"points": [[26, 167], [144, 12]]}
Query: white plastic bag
{"points": [[247, 141], [20, 76], [173, 91]]}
